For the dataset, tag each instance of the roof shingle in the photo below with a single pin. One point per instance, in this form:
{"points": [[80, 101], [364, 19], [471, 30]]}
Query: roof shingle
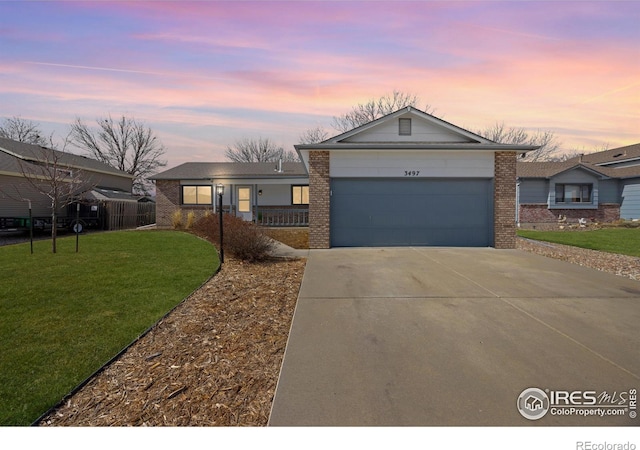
{"points": [[209, 170]]}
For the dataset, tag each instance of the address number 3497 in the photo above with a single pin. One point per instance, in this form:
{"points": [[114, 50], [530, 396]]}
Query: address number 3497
{"points": [[411, 173]]}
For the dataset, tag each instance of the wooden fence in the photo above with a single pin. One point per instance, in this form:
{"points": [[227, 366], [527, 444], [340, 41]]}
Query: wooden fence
{"points": [[123, 215]]}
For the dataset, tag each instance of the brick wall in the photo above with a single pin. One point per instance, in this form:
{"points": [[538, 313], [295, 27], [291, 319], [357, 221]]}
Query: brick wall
{"points": [[319, 199], [167, 201], [533, 214], [504, 200]]}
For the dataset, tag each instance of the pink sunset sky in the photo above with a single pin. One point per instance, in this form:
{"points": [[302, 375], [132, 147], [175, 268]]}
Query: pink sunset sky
{"points": [[205, 74]]}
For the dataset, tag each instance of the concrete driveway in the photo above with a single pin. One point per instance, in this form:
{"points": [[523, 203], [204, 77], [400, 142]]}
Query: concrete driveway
{"points": [[453, 336]]}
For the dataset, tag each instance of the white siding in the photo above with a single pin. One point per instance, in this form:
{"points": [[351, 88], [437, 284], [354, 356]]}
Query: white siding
{"points": [[421, 131], [394, 164], [275, 194], [630, 208], [534, 191]]}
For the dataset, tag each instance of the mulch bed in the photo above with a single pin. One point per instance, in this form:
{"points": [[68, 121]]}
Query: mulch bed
{"points": [[293, 237], [214, 361]]}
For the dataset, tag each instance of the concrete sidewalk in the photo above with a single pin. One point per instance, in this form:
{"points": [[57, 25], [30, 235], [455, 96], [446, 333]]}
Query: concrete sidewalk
{"points": [[283, 251], [451, 336]]}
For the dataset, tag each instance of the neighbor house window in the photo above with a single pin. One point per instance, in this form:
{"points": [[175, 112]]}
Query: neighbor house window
{"points": [[573, 193], [196, 195], [405, 127], [300, 195]]}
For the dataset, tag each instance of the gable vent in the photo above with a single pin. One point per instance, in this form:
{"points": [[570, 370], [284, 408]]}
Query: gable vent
{"points": [[404, 127]]}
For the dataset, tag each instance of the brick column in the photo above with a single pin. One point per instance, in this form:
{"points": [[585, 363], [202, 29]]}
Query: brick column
{"points": [[167, 201], [319, 199], [504, 200]]}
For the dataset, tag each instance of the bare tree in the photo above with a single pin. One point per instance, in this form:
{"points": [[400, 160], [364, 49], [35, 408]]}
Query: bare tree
{"points": [[22, 130], [576, 152], [373, 109], [124, 144], [258, 150], [314, 135], [546, 140], [50, 173]]}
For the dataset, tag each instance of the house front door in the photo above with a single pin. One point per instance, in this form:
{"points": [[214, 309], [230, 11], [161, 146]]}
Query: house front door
{"points": [[243, 206]]}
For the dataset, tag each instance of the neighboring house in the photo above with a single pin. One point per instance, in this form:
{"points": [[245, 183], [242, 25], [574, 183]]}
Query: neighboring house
{"points": [[597, 187], [108, 204], [265, 193], [408, 178]]}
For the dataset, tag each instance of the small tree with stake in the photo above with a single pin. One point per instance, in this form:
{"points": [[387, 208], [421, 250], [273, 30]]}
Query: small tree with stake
{"points": [[51, 174]]}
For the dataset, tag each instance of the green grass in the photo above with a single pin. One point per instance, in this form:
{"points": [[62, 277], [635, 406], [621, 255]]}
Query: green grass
{"points": [[63, 315], [625, 241]]}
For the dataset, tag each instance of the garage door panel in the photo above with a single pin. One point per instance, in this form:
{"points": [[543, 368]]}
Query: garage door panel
{"points": [[379, 212]]}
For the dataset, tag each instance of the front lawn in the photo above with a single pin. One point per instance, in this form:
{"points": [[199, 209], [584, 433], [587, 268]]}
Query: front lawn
{"points": [[625, 241], [63, 315]]}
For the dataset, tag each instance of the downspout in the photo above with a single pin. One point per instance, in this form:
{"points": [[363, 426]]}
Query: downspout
{"points": [[518, 202]]}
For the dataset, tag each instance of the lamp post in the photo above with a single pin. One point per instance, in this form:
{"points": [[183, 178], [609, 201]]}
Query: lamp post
{"points": [[220, 192]]}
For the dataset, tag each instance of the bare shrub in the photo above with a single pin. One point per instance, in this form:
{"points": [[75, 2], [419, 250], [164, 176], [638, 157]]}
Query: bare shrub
{"points": [[191, 218], [243, 240], [176, 219]]}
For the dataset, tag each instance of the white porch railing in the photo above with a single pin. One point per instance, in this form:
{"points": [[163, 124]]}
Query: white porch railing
{"points": [[283, 217]]}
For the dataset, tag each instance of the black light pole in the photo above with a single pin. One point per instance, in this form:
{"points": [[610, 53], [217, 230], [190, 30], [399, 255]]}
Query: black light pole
{"points": [[220, 192], [30, 226], [76, 226]]}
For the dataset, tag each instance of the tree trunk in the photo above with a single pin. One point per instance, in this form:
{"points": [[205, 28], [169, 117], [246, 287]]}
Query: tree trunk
{"points": [[54, 230]]}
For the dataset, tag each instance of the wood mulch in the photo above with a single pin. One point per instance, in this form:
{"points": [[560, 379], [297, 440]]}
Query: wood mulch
{"points": [[213, 361], [293, 237]]}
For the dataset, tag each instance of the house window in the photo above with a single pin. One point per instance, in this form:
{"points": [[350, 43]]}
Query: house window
{"points": [[300, 195], [196, 195], [573, 193], [244, 199], [405, 127]]}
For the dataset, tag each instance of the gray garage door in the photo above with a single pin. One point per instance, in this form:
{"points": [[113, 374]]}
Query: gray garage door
{"points": [[395, 212]]}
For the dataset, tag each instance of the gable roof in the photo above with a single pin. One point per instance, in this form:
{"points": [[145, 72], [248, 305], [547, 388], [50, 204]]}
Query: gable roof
{"points": [[551, 169], [613, 156], [600, 163], [209, 170], [12, 153], [465, 135], [364, 138]]}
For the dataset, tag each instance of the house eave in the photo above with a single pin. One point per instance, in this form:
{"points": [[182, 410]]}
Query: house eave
{"points": [[279, 176], [418, 146]]}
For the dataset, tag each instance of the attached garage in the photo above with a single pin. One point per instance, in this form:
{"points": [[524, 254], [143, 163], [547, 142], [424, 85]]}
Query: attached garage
{"points": [[411, 179], [396, 212]]}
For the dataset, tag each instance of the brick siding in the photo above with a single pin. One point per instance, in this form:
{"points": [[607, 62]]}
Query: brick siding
{"points": [[504, 200], [167, 201], [319, 199], [538, 215]]}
